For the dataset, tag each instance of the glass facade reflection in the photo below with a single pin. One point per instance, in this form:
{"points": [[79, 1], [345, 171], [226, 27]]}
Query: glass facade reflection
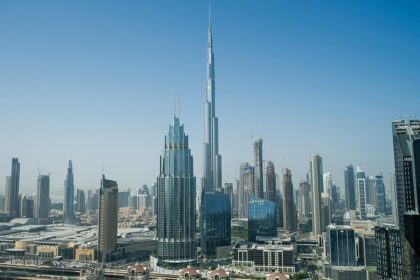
{"points": [[215, 222], [262, 218], [176, 193], [341, 246]]}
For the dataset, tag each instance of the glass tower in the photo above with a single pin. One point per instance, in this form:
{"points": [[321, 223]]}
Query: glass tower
{"points": [[215, 222], [12, 190], [262, 218], [176, 192], [341, 246]]}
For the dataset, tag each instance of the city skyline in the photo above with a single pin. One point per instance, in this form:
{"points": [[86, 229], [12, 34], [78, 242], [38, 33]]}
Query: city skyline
{"points": [[48, 119]]}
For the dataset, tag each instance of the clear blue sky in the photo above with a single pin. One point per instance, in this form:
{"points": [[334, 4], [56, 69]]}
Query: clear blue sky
{"points": [[95, 81]]}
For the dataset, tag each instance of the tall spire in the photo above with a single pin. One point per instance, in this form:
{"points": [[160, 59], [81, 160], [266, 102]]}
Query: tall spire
{"points": [[212, 175]]}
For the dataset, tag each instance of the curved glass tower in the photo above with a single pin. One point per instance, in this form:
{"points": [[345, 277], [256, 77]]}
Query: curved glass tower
{"points": [[176, 192]]}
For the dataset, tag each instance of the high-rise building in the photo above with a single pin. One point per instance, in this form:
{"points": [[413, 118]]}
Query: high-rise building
{"points": [[215, 222], [80, 201], [246, 188], [26, 206], [92, 200], [108, 219], [228, 189], [327, 181], [212, 177], [43, 197], [289, 208], [341, 246], [349, 188], [304, 199], [361, 191], [406, 138], [258, 169], [270, 176], [317, 189], [68, 203], [380, 194], [325, 210], [176, 197], [371, 190], [389, 253], [12, 190], [262, 218]]}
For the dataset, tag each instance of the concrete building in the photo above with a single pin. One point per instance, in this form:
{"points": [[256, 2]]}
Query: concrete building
{"points": [[264, 258]]}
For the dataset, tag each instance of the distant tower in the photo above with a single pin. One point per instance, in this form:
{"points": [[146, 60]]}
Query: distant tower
{"points": [[349, 188], [317, 189], [246, 188], [176, 196], [271, 182], [68, 214], [108, 219], [80, 201], [380, 194], [361, 190], [305, 199], [12, 190], [289, 209], [212, 177], [258, 165], [43, 197], [341, 247], [215, 222]]}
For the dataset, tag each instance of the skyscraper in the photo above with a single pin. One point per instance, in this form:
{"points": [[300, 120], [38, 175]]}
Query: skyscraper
{"points": [[406, 138], [304, 199], [317, 189], [258, 167], [361, 190], [215, 222], [108, 219], [12, 190], [212, 177], [271, 182], [80, 201], [327, 181], [43, 197], [68, 214], [176, 194], [380, 194], [349, 188], [246, 188], [289, 209]]}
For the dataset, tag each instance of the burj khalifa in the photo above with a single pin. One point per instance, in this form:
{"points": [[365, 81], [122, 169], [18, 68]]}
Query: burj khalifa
{"points": [[212, 177]]}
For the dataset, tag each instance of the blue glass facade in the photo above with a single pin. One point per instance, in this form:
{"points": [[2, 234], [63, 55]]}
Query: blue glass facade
{"points": [[215, 222], [341, 246], [176, 213], [262, 218]]}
